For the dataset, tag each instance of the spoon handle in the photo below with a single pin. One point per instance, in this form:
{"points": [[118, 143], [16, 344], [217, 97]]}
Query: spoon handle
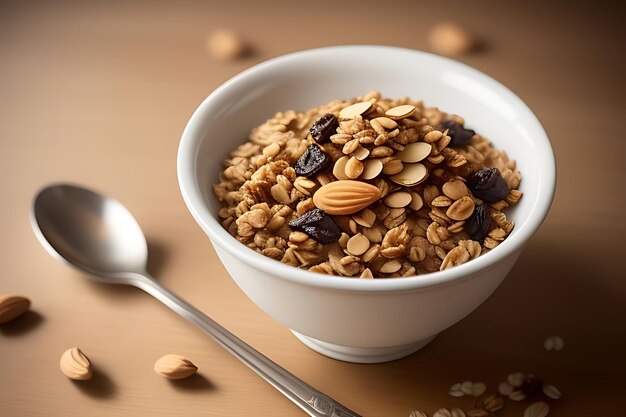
{"points": [[312, 401]]}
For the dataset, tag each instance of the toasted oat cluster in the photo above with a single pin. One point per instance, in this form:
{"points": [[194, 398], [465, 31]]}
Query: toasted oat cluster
{"points": [[369, 187]]}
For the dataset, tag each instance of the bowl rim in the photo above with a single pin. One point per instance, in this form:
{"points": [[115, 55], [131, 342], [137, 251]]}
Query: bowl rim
{"points": [[186, 171]]}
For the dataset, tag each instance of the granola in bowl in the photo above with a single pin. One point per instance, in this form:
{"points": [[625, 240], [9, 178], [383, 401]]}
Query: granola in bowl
{"points": [[369, 187]]}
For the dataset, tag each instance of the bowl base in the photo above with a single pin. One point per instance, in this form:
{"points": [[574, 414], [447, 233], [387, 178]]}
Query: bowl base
{"points": [[362, 354]]}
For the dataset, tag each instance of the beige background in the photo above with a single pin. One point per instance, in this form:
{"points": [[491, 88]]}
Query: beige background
{"points": [[99, 93]]}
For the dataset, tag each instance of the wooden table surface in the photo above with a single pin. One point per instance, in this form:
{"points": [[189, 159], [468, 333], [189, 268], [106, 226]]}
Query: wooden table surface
{"points": [[98, 93]]}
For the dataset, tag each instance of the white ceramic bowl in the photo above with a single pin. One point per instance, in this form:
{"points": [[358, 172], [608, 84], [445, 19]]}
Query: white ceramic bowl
{"points": [[351, 319]]}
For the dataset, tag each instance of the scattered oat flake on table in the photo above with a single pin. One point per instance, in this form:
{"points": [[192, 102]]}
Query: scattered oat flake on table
{"points": [[538, 409], [450, 39], [555, 343], [551, 392], [442, 412], [505, 389], [457, 412], [455, 391], [417, 413], [226, 45], [478, 389], [516, 379]]}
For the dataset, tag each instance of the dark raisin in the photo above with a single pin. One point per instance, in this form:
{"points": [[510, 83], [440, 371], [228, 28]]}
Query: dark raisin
{"points": [[488, 185], [324, 127], [477, 226], [459, 135], [317, 224], [313, 161]]}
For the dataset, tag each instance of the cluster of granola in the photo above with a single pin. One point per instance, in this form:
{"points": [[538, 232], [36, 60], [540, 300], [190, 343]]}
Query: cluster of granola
{"points": [[368, 187]]}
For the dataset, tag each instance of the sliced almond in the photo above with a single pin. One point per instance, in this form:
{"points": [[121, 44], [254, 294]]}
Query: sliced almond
{"points": [[398, 199], [391, 267], [378, 128], [361, 153], [411, 174], [386, 122], [400, 112], [355, 110], [415, 152], [339, 170], [350, 146], [365, 218], [455, 189], [416, 201], [354, 168], [358, 244], [371, 169]]}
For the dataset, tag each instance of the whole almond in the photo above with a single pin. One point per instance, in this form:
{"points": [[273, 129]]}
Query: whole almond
{"points": [[12, 306], [75, 365], [345, 197], [174, 366]]}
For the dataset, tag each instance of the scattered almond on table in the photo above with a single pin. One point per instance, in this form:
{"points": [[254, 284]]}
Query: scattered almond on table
{"points": [[174, 366], [450, 39], [226, 45], [12, 307], [538, 409], [75, 365]]}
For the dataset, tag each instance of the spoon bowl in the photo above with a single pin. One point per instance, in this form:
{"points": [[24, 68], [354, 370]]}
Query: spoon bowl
{"points": [[92, 232]]}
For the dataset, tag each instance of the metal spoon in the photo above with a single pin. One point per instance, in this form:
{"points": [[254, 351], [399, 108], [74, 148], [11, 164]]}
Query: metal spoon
{"points": [[98, 235]]}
